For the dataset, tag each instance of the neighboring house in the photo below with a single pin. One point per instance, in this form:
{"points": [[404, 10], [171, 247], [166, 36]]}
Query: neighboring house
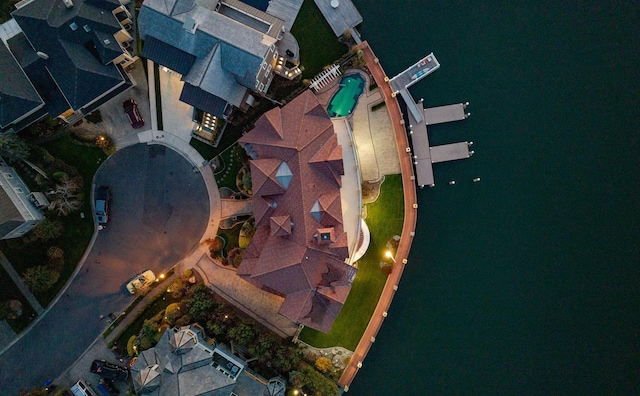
{"points": [[184, 364], [19, 209], [299, 248], [20, 103], [226, 51], [73, 54]]}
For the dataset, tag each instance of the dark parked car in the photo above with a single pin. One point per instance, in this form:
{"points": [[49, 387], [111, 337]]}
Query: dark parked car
{"points": [[131, 110], [107, 388], [109, 370], [102, 205]]}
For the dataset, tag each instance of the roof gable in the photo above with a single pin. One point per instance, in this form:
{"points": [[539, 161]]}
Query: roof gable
{"points": [[17, 96]]}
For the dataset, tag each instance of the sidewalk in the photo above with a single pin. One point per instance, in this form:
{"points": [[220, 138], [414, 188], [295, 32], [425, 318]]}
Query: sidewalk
{"points": [[20, 284]]}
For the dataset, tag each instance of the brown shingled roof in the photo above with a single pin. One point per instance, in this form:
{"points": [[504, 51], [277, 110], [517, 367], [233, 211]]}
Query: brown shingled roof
{"points": [[286, 255]]}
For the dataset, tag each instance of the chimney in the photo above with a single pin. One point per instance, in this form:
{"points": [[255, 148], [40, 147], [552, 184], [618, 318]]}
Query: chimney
{"points": [[68, 3]]}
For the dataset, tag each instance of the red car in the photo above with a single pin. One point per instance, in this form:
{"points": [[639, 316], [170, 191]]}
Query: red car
{"points": [[131, 110]]}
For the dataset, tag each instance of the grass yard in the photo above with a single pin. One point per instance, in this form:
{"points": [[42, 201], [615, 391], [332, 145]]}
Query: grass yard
{"points": [[232, 159], [77, 231], [385, 218], [318, 45]]}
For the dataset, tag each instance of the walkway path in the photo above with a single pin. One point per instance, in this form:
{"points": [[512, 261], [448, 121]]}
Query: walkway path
{"points": [[408, 228], [236, 207], [18, 281]]}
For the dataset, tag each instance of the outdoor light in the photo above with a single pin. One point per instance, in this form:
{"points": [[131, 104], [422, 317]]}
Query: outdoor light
{"points": [[161, 276], [390, 255]]}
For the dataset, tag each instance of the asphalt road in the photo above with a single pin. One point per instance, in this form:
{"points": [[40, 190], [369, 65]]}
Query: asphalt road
{"points": [[159, 212]]}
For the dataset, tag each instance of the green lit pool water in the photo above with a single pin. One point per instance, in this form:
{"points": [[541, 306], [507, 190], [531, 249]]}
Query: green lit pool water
{"points": [[344, 101]]}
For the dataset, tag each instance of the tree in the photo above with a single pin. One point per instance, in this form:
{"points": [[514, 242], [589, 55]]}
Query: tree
{"points": [[40, 278], [243, 334], [323, 364], [67, 195], [201, 302], [12, 147], [47, 229]]}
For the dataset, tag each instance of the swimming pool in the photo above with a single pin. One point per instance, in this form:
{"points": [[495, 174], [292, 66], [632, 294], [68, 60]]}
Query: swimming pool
{"points": [[344, 101]]}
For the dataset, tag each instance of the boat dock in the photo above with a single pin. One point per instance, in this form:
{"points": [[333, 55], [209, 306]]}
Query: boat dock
{"points": [[450, 152], [424, 155], [414, 73], [400, 84], [442, 114]]}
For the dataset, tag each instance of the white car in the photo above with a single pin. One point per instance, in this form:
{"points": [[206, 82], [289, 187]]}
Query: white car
{"points": [[141, 281]]}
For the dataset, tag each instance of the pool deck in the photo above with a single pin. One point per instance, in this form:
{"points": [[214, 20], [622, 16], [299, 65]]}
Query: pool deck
{"points": [[372, 131]]}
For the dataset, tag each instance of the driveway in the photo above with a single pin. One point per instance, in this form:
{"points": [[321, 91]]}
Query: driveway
{"points": [[159, 211]]}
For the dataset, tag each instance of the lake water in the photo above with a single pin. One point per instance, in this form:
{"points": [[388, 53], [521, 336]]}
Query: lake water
{"points": [[529, 281]]}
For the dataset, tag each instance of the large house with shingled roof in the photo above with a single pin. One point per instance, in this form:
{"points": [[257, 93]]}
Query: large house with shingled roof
{"points": [[299, 250], [225, 51], [183, 363], [66, 58]]}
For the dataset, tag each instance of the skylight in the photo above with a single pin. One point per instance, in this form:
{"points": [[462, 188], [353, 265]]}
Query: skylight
{"points": [[73, 26], [86, 28], [284, 175], [315, 210]]}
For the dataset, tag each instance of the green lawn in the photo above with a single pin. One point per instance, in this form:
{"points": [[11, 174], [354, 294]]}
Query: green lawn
{"points": [[232, 159], [318, 45], [77, 230], [384, 219]]}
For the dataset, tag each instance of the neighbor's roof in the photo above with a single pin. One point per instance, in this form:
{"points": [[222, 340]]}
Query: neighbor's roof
{"points": [[17, 95], [165, 370], [300, 245], [213, 24], [79, 44]]}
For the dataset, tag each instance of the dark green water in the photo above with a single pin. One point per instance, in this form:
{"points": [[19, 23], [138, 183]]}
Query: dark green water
{"points": [[529, 281]]}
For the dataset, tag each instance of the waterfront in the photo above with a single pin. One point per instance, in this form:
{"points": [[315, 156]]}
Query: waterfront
{"points": [[527, 282]]}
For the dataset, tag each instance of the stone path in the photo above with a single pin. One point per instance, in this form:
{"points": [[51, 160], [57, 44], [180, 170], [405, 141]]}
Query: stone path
{"points": [[236, 207]]}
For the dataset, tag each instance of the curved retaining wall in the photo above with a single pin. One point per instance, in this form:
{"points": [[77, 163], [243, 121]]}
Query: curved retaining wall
{"points": [[408, 227]]}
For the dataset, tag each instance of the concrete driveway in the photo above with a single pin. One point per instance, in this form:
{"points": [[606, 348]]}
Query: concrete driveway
{"points": [[159, 211]]}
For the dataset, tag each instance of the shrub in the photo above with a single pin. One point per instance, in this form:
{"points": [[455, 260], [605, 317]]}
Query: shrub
{"points": [[130, 350], [40, 278], [47, 229], [172, 313], [56, 257], [323, 364]]}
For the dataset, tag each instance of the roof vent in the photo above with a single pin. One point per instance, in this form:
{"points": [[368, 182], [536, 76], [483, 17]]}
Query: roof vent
{"points": [[190, 25], [68, 3], [106, 41], [42, 55]]}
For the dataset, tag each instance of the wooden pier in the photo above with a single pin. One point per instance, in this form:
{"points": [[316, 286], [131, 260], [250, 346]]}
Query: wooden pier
{"points": [[424, 156], [442, 114]]}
